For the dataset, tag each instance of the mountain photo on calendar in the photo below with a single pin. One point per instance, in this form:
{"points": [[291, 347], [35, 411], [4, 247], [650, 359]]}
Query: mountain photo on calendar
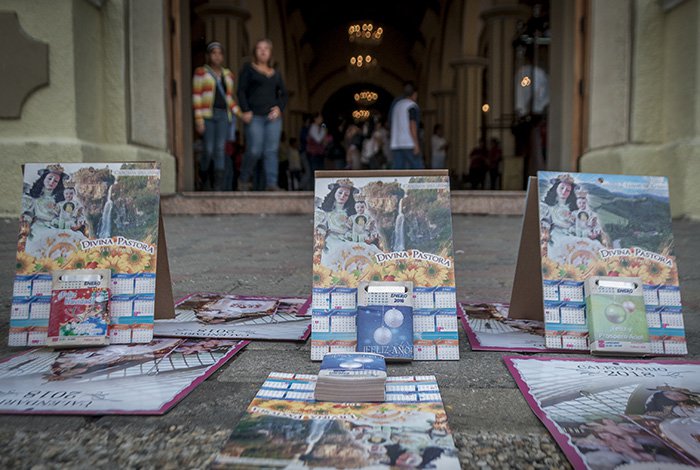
{"points": [[607, 225], [218, 315]]}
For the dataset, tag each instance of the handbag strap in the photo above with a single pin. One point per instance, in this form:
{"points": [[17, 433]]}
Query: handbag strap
{"points": [[217, 81]]}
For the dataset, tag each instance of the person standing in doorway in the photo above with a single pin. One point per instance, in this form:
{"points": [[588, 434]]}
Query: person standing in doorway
{"points": [[262, 97], [405, 123], [438, 145], [214, 111], [495, 159]]}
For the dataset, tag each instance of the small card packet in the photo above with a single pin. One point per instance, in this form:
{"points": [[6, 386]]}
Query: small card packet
{"points": [[385, 319], [80, 301], [616, 316]]}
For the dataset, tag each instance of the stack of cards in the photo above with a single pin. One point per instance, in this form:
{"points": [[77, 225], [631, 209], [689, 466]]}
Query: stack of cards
{"points": [[351, 378]]}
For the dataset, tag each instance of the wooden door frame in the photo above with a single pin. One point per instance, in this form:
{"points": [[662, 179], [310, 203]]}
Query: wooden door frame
{"points": [[179, 84]]}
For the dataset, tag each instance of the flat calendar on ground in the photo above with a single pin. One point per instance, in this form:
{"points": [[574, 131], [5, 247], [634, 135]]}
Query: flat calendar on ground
{"points": [[142, 379], [607, 414], [87, 216], [217, 315], [383, 226], [285, 428]]}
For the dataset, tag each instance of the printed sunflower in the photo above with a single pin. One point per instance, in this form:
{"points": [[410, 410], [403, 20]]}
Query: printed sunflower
{"points": [[46, 265], [412, 275], [343, 278], [632, 270], [599, 268], [106, 252], [25, 263], [78, 260], [151, 266], [137, 260], [569, 271], [654, 273], [550, 269], [450, 278], [114, 263], [626, 263], [374, 273], [401, 265], [434, 275], [672, 275], [321, 276]]}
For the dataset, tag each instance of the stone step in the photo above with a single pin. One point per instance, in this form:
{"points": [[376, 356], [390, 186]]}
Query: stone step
{"points": [[301, 202]]}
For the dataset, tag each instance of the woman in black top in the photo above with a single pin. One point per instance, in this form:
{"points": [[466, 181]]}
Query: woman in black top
{"points": [[262, 98]]}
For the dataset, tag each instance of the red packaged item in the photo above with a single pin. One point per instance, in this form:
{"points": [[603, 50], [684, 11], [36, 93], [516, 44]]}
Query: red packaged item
{"points": [[79, 308]]}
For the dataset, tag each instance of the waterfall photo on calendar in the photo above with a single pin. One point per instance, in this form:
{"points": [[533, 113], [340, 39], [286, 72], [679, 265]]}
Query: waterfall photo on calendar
{"points": [[374, 226], [87, 216]]}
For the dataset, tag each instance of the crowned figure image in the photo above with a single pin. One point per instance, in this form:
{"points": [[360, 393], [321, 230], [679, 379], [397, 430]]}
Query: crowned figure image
{"points": [[42, 208]]}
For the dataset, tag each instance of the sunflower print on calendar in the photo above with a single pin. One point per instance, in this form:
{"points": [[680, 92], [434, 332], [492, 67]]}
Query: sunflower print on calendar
{"points": [[383, 226], [607, 225], [87, 216]]}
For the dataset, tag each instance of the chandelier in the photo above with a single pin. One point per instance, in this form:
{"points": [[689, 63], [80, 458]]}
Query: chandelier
{"points": [[363, 62], [365, 33], [360, 115], [366, 98]]}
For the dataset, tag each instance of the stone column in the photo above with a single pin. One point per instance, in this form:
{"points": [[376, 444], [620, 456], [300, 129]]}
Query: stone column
{"points": [[443, 115], [466, 117], [225, 22], [427, 121], [499, 31]]}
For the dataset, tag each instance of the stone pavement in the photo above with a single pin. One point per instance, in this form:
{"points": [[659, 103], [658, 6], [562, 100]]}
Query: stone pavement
{"points": [[249, 254]]}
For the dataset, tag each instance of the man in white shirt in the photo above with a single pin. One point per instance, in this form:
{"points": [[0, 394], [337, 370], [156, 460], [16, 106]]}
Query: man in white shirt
{"points": [[405, 122]]}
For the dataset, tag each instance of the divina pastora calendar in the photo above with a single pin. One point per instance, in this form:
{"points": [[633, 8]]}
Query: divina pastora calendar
{"points": [[88, 216], [383, 226], [598, 225]]}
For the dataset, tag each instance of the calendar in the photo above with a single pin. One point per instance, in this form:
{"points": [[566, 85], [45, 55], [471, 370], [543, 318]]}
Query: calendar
{"points": [[342, 324], [672, 320], [582, 225], [145, 284], [669, 295], [96, 216], [361, 234], [571, 291], [573, 314], [653, 320], [423, 323], [577, 342], [551, 314], [321, 324]]}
